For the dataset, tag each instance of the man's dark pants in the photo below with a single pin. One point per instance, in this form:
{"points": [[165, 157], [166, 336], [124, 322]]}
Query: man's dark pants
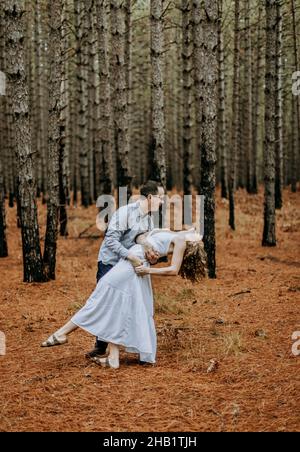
{"points": [[102, 271]]}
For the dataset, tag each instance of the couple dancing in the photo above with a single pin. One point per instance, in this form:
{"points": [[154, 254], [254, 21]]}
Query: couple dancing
{"points": [[120, 310]]}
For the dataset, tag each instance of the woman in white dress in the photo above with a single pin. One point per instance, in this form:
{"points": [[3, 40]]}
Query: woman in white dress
{"points": [[120, 310]]}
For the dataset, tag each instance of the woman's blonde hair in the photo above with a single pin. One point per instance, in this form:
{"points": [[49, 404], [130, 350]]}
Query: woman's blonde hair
{"points": [[194, 264]]}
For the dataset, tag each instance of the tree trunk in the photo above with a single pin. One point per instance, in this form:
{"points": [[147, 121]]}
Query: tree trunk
{"points": [[82, 99], [92, 101], [222, 147], [209, 127], [120, 98], [187, 96], [278, 116], [15, 19], [256, 97], [3, 240], [64, 143], [157, 142], [104, 179], [235, 116], [4, 132], [55, 14], [295, 107], [269, 233], [248, 98], [198, 77]]}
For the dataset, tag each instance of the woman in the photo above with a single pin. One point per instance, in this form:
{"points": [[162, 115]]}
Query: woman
{"points": [[120, 310]]}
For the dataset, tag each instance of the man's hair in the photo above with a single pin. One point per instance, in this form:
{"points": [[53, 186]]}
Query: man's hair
{"points": [[149, 188]]}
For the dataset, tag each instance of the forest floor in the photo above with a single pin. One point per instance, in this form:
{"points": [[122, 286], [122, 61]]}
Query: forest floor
{"points": [[243, 320]]}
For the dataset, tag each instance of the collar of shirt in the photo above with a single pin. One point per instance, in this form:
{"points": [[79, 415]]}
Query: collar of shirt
{"points": [[142, 214]]}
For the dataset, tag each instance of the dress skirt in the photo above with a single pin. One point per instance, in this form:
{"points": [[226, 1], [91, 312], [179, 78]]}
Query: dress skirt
{"points": [[120, 310]]}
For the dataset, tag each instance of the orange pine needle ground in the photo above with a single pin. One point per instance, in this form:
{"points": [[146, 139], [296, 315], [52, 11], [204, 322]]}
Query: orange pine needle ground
{"points": [[242, 323]]}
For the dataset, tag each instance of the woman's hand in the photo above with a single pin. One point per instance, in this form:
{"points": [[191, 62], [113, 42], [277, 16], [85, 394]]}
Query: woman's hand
{"points": [[142, 271], [134, 260]]}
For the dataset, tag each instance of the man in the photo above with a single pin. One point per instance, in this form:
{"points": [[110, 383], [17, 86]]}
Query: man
{"points": [[126, 224]]}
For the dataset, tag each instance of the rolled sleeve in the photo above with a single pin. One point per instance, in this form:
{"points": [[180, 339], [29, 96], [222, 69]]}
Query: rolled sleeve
{"points": [[112, 241], [115, 232]]}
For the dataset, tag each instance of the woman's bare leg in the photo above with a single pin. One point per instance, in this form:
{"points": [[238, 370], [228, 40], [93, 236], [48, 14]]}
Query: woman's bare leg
{"points": [[68, 328], [60, 336]]}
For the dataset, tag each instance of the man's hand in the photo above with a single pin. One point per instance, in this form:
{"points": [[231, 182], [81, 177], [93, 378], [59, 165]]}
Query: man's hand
{"points": [[152, 256], [134, 260], [142, 270]]}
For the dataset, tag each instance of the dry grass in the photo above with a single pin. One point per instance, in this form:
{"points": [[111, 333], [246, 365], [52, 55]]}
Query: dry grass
{"points": [[233, 344]]}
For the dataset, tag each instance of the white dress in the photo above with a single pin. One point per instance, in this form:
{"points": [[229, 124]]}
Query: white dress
{"points": [[120, 310]]}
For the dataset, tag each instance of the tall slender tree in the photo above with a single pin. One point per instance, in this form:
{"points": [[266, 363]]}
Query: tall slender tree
{"points": [[3, 239], [157, 143], [64, 142], [15, 20], [209, 130], [187, 96], [55, 15], [295, 104], [269, 233], [278, 115], [258, 77], [222, 109], [248, 97], [235, 116], [198, 77], [120, 93], [104, 176], [3, 138]]}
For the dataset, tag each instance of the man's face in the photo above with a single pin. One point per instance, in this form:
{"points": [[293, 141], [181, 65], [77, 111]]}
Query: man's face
{"points": [[156, 201]]}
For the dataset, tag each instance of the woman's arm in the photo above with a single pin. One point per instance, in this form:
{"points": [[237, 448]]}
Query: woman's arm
{"points": [[174, 268]]}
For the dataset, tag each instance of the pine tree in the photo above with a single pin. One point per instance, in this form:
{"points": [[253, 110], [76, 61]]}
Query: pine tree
{"points": [[15, 20], [269, 233]]}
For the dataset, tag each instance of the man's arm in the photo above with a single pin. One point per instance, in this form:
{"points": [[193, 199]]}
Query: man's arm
{"points": [[117, 227], [115, 232]]}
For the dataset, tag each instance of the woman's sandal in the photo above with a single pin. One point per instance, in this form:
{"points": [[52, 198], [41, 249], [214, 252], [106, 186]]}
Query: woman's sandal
{"points": [[53, 340], [106, 362]]}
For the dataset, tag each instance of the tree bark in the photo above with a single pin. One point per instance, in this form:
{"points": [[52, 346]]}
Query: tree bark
{"points": [[209, 127], [269, 233], [198, 78], [55, 15], [15, 19], [157, 142], [256, 97], [187, 96], [248, 107], [278, 115], [235, 116], [295, 106], [120, 98], [222, 147], [3, 239], [104, 178]]}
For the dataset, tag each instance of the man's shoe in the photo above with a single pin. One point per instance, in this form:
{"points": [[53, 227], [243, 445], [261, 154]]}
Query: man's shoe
{"points": [[96, 352], [145, 363]]}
